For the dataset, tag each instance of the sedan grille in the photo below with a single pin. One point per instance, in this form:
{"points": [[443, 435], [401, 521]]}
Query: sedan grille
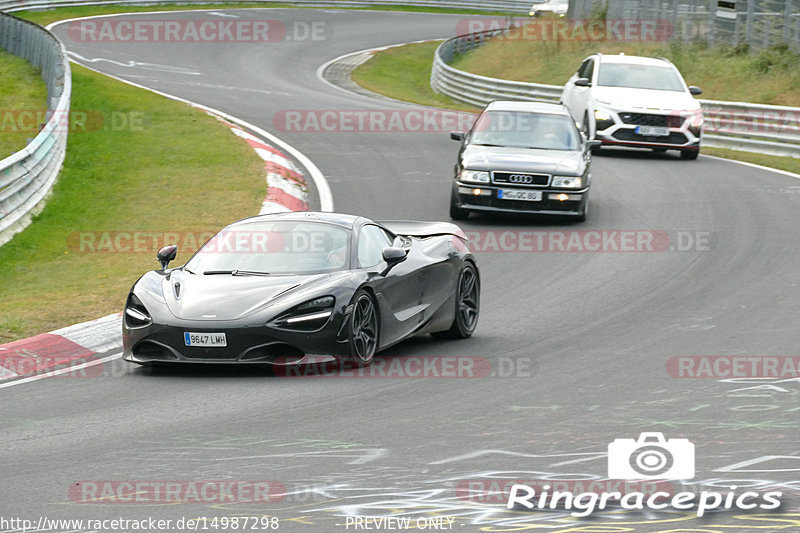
{"points": [[519, 178], [645, 119]]}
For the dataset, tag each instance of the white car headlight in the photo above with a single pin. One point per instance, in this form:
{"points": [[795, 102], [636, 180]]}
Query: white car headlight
{"points": [[567, 182], [474, 176], [602, 114]]}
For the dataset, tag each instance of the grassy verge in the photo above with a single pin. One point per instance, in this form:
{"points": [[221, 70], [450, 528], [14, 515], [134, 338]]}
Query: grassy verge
{"points": [[45, 17], [23, 99], [404, 73], [770, 76], [137, 163]]}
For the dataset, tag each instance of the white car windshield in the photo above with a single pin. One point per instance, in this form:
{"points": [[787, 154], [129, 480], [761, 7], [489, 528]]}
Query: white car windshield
{"points": [[639, 77], [519, 129], [274, 247]]}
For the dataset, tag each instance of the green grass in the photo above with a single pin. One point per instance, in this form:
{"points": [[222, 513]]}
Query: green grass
{"points": [[23, 94], [770, 76], [45, 17], [404, 72], [140, 162]]}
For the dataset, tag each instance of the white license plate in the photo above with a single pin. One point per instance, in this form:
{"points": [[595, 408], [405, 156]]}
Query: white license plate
{"points": [[652, 131], [213, 340], [516, 194]]}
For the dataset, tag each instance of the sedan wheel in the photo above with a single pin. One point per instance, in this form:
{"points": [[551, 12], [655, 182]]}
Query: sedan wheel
{"points": [[468, 301], [364, 329]]}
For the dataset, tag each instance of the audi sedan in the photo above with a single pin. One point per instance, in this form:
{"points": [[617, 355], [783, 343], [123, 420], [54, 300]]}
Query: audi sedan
{"points": [[522, 157]]}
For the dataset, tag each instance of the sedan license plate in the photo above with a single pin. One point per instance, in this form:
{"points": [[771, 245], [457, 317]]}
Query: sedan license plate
{"points": [[516, 194], [652, 131], [207, 340]]}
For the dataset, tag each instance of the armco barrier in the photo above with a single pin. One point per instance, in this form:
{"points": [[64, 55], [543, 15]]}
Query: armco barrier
{"points": [[27, 176], [507, 6], [766, 129]]}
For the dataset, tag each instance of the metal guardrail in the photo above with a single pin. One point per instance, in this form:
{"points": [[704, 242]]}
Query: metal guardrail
{"points": [[767, 129], [27, 176], [506, 6]]}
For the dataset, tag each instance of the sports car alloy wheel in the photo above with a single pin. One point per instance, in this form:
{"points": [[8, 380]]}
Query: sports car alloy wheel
{"points": [[363, 329], [467, 305]]}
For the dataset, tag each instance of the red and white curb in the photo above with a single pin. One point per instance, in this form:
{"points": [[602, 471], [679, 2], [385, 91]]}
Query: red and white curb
{"points": [[286, 186], [36, 355], [39, 355]]}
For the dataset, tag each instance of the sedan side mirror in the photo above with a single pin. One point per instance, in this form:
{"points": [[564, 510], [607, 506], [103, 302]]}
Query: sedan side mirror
{"points": [[583, 82], [457, 135], [594, 143], [167, 254], [696, 91]]}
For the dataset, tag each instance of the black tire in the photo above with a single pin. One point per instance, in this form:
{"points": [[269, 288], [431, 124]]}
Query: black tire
{"points": [[457, 213], [690, 155], [468, 303], [363, 332]]}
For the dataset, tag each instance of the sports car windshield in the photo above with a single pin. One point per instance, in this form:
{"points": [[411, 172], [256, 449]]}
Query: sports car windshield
{"points": [[519, 129], [279, 247], [639, 77]]}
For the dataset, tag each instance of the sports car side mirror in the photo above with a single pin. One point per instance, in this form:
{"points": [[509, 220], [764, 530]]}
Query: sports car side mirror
{"points": [[457, 135], [393, 255], [696, 91], [583, 82], [167, 254]]}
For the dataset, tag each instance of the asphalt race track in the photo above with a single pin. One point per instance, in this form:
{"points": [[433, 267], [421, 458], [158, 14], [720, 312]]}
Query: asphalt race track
{"points": [[579, 342]]}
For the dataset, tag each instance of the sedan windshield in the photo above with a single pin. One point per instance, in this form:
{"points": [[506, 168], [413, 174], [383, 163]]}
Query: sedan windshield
{"points": [[274, 247], [519, 129], [639, 77]]}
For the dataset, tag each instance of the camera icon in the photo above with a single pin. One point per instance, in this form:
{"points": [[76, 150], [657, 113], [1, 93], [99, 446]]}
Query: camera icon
{"points": [[651, 457]]}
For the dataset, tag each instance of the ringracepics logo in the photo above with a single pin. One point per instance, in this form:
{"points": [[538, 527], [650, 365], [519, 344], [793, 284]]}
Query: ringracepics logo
{"points": [[649, 457], [208, 30]]}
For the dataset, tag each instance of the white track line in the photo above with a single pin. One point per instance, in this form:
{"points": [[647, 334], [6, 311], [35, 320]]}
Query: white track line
{"points": [[65, 370]]}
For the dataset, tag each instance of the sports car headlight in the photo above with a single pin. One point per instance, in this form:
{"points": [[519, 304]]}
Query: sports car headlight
{"points": [[309, 316], [136, 314], [474, 176], [567, 182]]}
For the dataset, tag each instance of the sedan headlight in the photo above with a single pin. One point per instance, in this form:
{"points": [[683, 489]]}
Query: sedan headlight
{"points": [[567, 182], [309, 316], [474, 176]]}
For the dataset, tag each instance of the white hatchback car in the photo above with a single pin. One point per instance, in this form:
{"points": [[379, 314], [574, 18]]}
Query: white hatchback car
{"points": [[635, 101], [547, 7]]}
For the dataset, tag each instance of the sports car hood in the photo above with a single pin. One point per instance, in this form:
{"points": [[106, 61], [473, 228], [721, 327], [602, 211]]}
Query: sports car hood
{"points": [[490, 158], [226, 297], [625, 99]]}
